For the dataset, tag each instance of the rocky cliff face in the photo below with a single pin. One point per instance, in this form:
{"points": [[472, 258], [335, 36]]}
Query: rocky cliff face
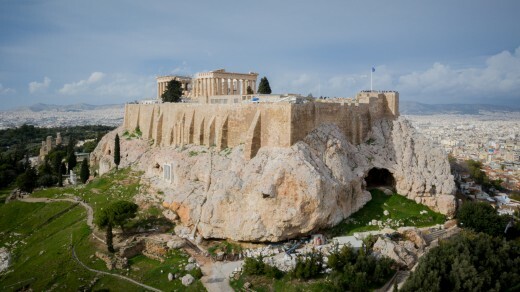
{"points": [[285, 192]]}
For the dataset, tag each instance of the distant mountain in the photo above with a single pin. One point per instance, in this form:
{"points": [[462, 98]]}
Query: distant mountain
{"points": [[67, 108], [416, 108]]}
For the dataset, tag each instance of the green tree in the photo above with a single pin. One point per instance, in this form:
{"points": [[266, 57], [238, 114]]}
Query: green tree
{"points": [[116, 214], [263, 87], [26, 181], [249, 90], [71, 161], [60, 175], [89, 146], [84, 172], [117, 155], [482, 217], [468, 262], [173, 92]]}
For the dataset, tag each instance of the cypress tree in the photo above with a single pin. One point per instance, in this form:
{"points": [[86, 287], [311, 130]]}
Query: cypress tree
{"points": [[173, 92], [71, 161], [264, 87], [117, 155], [85, 172]]}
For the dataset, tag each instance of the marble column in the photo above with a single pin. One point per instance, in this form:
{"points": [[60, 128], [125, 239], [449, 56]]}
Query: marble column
{"points": [[225, 87]]}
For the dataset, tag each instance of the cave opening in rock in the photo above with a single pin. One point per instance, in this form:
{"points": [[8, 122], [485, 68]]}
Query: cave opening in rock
{"points": [[380, 177]]}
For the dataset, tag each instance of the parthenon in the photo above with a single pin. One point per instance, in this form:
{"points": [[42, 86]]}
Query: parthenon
{"points": [[213, 83]]}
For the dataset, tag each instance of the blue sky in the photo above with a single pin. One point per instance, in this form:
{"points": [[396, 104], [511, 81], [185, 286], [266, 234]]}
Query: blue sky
{"points": [[99, 52]]}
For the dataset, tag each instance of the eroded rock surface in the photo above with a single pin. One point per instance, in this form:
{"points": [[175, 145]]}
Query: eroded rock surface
{"points": [[285, 192], [5, 258]]}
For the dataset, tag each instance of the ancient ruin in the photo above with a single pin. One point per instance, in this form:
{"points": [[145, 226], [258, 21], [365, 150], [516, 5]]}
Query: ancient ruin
{"points": [[273, 167]]}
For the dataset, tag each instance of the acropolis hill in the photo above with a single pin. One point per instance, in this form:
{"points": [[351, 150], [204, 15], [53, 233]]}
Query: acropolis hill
{"points": [[256, 167]]}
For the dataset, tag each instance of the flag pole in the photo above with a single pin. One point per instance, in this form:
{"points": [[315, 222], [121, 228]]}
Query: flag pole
{"points": [[371, 79]]}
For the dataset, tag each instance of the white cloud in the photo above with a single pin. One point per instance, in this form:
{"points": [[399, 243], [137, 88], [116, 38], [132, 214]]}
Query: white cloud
{"points": [[82, 85], [112, 88], [6, 90], [39, 86], [498, 77]]}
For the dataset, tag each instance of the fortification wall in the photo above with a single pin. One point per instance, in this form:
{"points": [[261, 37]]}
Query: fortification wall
{"points": [[354, 119], [256, 124]]}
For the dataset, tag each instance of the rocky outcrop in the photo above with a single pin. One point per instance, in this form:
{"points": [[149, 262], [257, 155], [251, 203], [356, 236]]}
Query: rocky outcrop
{"points": [[403, 253], [285, 192], [5, 258]]}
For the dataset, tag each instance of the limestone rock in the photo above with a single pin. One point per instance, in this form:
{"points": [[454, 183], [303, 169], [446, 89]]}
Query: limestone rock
{"points": [[190, 266], [5, 259], [414, 235], [169, 214], [403, 252], [175, 243], [187, 280], [283, 193]]}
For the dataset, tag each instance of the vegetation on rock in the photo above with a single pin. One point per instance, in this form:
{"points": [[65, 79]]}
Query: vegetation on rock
{"points": [[402, 212], [117, 154]]}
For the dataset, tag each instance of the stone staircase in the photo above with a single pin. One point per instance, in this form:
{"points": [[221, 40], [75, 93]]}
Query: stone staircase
{"points": [[434, 235]]}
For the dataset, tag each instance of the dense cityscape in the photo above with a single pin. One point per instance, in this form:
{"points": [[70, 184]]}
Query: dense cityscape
{"points": [[493, 140], [110, 116]]}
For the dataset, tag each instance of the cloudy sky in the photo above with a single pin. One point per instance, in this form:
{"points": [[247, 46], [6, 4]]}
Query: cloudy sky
{"points": [[99, 52]]}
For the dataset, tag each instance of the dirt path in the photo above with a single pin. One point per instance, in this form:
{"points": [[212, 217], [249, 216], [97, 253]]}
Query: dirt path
{"points": [[90, 211], [216, 275], [90, 223], [112, 275]]}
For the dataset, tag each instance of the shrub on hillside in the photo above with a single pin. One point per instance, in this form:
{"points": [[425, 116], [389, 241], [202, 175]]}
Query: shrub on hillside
{"points": [[468, 262], [256, 266], [358, 270], [482, 217], [308, 266]]}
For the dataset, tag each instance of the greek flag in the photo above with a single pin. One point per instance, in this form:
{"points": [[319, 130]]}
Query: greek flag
{"points": [[373, 69]]}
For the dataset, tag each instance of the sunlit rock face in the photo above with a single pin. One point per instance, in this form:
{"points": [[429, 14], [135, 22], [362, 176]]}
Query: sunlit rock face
{"points": [[282, 193]]}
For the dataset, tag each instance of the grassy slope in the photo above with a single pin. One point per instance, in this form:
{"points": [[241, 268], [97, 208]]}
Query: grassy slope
{"points": [[55, 265], [399, 207], [3, 194]]}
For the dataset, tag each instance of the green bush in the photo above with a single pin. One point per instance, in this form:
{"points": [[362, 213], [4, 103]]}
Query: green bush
{"points": [[358, 271], [468, 262], [482, 217], [256, 266], [308, 266], [196, 273]]}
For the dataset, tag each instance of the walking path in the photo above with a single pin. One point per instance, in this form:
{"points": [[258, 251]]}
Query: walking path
{"points": [[113, 275], [216, 275], [90, 211], [90, 223]]}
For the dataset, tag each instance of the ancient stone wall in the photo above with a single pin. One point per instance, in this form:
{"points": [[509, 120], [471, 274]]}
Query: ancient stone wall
{"points": [[255, 124]]}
